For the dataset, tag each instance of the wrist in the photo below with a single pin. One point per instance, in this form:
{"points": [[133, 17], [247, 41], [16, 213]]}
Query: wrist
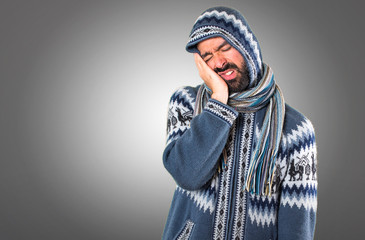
{"points": [[222, 97]]}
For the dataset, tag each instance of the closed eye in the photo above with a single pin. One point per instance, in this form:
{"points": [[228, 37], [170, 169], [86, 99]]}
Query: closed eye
{"points": [[207, 58], [226, 48]]}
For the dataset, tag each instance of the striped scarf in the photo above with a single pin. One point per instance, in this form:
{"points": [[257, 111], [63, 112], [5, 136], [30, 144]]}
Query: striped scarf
{"points": [[262, 165]]}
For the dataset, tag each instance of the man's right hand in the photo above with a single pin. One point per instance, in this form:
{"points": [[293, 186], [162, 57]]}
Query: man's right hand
{"points": [[212, 80]]}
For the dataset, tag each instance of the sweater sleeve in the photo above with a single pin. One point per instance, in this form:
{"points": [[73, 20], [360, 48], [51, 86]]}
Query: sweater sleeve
{"points": [[194, 145], [298, 198]]}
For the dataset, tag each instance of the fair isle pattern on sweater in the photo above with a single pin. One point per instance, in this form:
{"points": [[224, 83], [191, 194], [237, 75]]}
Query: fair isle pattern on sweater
{"points": [[223, 195], [186, 232], [300, 189], [243, 163], [296, 192], [180, 103], [203, 199], [262, 211], [221, 111]]}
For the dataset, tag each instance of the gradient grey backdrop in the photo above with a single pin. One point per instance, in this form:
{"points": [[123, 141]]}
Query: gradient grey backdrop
{"points": [[84, 93]]}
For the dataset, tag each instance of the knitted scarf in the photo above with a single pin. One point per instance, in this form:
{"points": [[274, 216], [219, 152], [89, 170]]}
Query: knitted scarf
{"points": [[261, 169]]}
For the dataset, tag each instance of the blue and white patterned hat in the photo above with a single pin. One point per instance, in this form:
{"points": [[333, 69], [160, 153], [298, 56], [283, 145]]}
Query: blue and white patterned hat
{"points": [[232, 26]]}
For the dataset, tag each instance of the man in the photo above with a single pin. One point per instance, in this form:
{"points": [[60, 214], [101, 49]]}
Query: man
{"points": [[243, 160]]}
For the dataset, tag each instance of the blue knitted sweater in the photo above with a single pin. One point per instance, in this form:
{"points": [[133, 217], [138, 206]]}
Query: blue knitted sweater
{"points": [[211, 204]]}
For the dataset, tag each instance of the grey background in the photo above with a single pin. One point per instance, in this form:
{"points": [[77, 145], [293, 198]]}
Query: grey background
{"points": [[84, 93]]}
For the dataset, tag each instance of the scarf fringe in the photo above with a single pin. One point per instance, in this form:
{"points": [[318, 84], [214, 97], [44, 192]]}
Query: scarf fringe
{"points": [[260, 175]]}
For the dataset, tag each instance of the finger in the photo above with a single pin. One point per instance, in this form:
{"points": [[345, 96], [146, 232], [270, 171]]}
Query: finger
{"points": [[198, 60], [202, 65], [197, 57]]}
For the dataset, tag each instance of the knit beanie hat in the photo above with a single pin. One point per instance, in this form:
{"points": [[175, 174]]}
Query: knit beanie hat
{"points": [[229, 24]]}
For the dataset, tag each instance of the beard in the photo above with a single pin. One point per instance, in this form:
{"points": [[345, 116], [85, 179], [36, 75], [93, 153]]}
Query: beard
{"points": [[238, 84]]}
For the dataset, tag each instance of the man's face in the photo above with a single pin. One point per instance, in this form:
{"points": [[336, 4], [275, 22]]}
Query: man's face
{"points": [[226, 61]]}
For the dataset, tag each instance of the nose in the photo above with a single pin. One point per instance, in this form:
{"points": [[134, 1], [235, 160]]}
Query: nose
{"points": [[218, 61]]}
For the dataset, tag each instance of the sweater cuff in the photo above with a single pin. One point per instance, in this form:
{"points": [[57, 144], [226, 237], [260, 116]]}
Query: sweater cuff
{"points": [[221, 110]]}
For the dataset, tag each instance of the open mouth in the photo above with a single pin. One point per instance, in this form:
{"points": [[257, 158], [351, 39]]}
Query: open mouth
{"points": [[228, 74]]}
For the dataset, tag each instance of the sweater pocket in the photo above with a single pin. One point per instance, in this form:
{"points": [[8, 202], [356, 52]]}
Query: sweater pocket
{"points": [[186, 232]]}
